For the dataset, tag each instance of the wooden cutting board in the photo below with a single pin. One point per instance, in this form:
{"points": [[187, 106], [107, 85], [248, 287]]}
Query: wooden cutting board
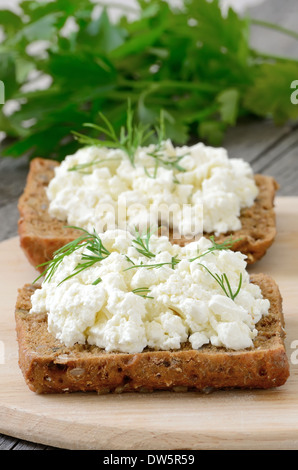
{"points": [[164, 420]]}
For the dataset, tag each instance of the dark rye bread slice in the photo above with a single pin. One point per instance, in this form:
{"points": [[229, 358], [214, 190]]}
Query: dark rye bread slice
{"points": [[41, 235], [50, 367]]}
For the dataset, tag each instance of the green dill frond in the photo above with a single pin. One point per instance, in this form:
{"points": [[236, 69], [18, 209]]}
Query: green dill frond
{"points": [[131, 136], [142, 292], [90, 241], [141, 243], [95, 251], [225, 245], [223, 281]]}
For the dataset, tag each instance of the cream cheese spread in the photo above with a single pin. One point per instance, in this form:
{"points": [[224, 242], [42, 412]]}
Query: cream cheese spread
{"points": [[135, 306], [205, 191]]}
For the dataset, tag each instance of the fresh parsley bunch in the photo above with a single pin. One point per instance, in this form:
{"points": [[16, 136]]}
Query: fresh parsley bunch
{"points": [[193, 63]]}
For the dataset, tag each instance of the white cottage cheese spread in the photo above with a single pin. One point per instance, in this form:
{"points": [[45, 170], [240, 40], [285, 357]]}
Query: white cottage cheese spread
{"points": [[206, 195], [181, 302]]}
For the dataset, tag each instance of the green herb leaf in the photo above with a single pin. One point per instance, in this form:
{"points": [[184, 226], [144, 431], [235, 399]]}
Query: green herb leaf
{"points": [[94, 253], [131, 136], [229, 105], [270, 94], [142, 292], [141, 243], [223, 281], [225, 245], [194, 62]]}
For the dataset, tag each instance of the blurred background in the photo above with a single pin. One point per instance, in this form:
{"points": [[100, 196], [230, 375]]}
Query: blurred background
{"points": [[222, 71]]}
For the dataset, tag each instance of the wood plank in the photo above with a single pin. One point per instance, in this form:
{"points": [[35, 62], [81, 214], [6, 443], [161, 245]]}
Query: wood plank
{"points": [[269, 150], [251, 138], [13, 173], [7, 442], [281, 162], [266, 419], [286, 172], [278, 151], [23, 445]]}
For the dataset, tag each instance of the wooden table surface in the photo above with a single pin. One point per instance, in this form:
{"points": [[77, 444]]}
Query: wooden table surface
{"points": [[270, 150]]}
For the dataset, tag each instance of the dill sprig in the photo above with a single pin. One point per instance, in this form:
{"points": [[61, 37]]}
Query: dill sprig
{"points": [[158, 153], [161, 160], [141, 243], [95, 252], [223, 281], [172, 263], [90, 241], [225, 245], [82, 166], [131, 136], [142, 292]]}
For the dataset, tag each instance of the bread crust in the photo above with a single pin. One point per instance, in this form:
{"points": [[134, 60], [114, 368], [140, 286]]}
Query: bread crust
{"points": [[50, 367], [41, 235]]}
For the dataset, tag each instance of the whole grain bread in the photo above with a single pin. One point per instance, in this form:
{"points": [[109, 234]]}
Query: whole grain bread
{"points": [[50, 367], [41, 235]]}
